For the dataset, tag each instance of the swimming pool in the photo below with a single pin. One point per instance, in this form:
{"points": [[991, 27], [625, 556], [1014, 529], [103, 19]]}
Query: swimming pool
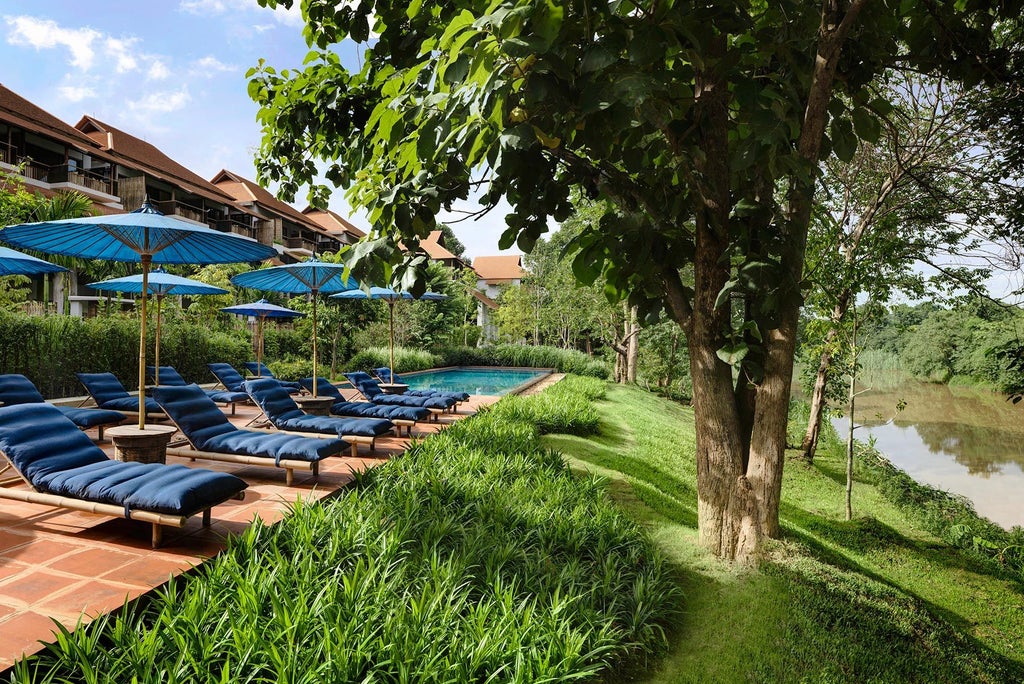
{"points": [[491, 380]]}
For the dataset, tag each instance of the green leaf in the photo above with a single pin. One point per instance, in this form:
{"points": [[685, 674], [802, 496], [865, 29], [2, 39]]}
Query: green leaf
{"points": [[866, 125], [414, 8], [547, 21], [733, 355], [844, 140]]}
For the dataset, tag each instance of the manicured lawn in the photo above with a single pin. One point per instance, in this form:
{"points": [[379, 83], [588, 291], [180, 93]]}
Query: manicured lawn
{"points": [[875, 599]]}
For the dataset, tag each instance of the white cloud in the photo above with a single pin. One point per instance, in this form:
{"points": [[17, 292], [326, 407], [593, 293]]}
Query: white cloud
{"points": [[160, 102], [210, 65], [158, 71], [120, 50], [73, 93], [288, 17], [44, 34]]}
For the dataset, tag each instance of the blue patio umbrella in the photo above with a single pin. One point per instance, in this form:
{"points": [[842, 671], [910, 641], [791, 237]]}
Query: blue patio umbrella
{"points": [[161, 283], [13, 262], [307, 277], [144, 236], [261, 310], [391, 297]]}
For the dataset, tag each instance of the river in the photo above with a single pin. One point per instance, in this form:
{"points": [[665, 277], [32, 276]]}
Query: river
{"points": [[965, 441]]}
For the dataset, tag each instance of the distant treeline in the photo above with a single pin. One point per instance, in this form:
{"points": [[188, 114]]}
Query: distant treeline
{"points": [[977, 342]]}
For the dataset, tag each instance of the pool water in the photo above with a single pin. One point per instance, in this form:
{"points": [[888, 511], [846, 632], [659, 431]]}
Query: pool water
{"points": [[493, 381]]}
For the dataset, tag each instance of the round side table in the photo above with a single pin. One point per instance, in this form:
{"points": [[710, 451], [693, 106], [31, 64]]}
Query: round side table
{"points": [[315, 406], [141, 446]]}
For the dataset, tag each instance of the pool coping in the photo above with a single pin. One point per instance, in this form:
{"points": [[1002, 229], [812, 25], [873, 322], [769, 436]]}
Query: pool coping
{"points": [[518, 389]]}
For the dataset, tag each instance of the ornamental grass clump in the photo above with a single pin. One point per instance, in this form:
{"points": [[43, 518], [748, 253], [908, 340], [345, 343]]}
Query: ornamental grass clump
{"points": [[477, 556]]}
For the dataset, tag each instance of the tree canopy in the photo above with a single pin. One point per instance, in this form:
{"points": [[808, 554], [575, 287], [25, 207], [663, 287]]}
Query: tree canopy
{"points": [[702, 125]]}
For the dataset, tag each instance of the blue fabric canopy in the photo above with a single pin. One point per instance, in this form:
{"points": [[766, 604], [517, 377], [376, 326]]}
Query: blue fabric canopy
{"points": [[13, 262], [144, 235], [160, 282], [304, 277], [125, 237], [262, 309]]}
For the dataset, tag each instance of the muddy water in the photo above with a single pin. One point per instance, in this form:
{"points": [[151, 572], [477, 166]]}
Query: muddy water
{"points": [[964, 441]]}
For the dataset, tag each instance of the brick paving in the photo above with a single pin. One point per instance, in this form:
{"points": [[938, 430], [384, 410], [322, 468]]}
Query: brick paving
{"points": [[66, 566]]}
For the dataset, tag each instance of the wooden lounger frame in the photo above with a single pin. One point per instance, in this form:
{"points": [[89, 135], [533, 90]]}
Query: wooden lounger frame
{"points": [[353, 440], [158, 520], [289, 466]]}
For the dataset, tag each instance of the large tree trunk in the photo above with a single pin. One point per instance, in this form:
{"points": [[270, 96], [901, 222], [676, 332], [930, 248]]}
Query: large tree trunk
{"points": [[632, 344], [810, 442], [738, 489]]}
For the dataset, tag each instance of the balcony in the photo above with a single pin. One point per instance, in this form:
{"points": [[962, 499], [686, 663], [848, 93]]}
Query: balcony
{"points": [[62, 176], [236, 227], [300, 243], [181, 210]]}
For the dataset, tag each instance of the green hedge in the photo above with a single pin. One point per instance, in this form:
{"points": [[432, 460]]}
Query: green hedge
{"points": [[564, 360], [477, 556], [406, 360], [51, 349]]}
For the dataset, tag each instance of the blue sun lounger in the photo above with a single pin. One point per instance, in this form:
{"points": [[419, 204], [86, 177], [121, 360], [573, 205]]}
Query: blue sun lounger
{"points": [[401, 416], [65, 468], [284, 414], [370, 389], [17, 389], [260, 370], [212, 437], [172, 378], [386, 376], [227, 376], [108, 393]]}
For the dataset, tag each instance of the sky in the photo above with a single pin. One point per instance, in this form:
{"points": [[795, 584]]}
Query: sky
{"points": [[171, 72]]}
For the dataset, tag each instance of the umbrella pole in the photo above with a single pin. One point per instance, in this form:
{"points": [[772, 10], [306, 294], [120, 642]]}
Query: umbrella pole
{"points": [[391, 325], [259, 346], [156, 344], [146, 259], [314, 343]]}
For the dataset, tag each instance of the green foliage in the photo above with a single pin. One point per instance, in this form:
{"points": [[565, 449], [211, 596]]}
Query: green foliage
{"points": [[564, 408], [525, 356], [476, 555], [294, 369], [406, 360], [51, 349]]}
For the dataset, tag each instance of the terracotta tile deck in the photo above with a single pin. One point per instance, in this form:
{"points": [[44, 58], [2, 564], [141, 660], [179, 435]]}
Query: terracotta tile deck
{"points": [[65, 565]]}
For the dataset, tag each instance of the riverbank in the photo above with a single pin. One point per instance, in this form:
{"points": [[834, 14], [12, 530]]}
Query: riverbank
{"points": [[880, 598]]}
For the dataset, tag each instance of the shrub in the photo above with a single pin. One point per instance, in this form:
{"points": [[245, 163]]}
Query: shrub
{"points": [[295, 369], [477, 555], [406, 360], [563, 360]]}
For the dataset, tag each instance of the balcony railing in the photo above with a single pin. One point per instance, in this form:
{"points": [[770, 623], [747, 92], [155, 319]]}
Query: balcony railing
{"points": [[299, 243], [236, 227], [59, 173], [175, 208]]}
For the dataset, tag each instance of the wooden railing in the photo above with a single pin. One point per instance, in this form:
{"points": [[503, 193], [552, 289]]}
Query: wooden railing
{"points": [[175, 208], [299, 243], [236, 227]]}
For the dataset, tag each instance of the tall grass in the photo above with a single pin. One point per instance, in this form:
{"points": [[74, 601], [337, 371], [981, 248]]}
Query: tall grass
{"points": [[477, 556], [406, 360], [563, 360]]}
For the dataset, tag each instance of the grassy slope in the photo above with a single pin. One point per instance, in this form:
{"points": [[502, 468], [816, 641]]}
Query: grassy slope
{"points": [[875, 599]]}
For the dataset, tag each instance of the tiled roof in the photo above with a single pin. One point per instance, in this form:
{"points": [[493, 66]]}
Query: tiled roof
{"points": [[246, 191], [17, 110], [503, 267], [481, 297], [433, 248], [332, 222], [140, 154]]}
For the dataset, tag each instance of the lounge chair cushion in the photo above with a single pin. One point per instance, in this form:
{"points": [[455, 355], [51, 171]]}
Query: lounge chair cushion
{"points": [[57, 458], [228, 376], [363, 409], [208, 429], [108, 393], [285, 414], [386, 375], [261, 370], [169, 376], [372, 391], [17, 389]]}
